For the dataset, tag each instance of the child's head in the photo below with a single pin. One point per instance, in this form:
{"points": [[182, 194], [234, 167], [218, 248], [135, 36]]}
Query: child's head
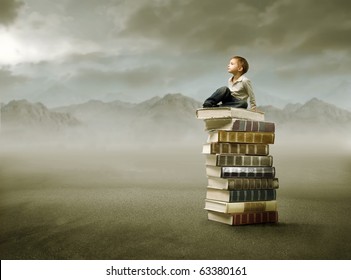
{"points": [[242, 63]]}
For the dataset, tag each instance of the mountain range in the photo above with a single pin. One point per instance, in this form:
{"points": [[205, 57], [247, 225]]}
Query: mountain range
{"points": [[22, 114], [171, 117], [312, 112]]}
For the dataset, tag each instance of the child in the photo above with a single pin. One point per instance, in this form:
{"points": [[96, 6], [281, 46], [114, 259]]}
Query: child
{"points": [[239, 88]]}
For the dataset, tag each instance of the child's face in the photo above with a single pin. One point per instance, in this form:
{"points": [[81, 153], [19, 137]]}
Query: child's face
{"points": [[234, 67]]}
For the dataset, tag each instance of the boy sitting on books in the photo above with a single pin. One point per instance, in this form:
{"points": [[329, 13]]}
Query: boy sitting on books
{"points": [[239, 88]]}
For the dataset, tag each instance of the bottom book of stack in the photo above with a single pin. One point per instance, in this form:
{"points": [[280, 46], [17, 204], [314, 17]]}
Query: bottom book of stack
{"points": [[236, 219], [254, 203]]}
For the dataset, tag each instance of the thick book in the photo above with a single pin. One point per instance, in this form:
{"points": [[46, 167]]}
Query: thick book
{"points": [[237, 219], [240, 172], [239, 125], [243, 183], [241, 195], [238, 160], [228, 112], [241, 137], [235, 148], [240, 207]]}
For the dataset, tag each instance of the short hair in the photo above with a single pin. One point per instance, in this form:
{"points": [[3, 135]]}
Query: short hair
{"points": [[243, 63]]}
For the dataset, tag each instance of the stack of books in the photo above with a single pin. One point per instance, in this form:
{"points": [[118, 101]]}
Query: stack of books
{"points": [[241, 177]]}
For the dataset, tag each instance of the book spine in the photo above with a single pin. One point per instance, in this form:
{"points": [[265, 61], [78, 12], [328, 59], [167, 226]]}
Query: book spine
{"points": [[251, 195], [259, 206], [237, 219], [246, 137], [252, 184], [240, 207], [240, 160], [236, 148], [253, 126], [255, 218], [246, 207], [248, 172]]}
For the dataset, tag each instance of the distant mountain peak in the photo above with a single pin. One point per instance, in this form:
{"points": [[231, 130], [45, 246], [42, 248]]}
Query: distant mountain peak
{"points": [[175, 100], [316, 101], [291, 107], [173, 95], [320, 105], [314, 111], [22, 113], [24, 104]]}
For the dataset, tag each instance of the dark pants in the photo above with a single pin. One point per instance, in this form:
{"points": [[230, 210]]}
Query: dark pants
{"points": [[223, 94]]}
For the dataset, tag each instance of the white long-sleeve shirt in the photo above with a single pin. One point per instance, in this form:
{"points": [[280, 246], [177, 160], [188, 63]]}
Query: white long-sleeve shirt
{"points": [[242, 89]]}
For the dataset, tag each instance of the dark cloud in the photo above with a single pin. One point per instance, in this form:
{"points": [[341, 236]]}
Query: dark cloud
{"points": [[9, 11], [309, 26], [89, 20], [300, 26], [209, 25], [332, 39]]}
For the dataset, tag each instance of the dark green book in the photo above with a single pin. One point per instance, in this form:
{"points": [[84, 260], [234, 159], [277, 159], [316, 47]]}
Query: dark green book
{"points": [[240, 172], [241, 195]]}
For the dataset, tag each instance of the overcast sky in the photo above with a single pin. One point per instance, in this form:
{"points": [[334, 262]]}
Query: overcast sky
{"points": [[70, 51]]}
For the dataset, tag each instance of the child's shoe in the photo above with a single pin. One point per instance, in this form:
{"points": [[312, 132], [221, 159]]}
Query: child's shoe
{"points": [[209, 104]]}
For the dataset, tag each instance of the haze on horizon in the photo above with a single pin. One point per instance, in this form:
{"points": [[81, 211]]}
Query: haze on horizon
{"points": [[73, 51]]}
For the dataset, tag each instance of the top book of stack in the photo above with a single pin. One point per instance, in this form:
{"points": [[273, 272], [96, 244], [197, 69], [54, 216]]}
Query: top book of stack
{"points": [[228, 112]]}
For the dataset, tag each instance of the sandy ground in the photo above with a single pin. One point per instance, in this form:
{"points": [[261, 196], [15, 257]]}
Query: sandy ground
{"points": [[148, 204]]}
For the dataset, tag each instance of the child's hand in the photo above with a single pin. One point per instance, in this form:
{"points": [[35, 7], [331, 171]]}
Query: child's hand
{"points": [[254, 109]]}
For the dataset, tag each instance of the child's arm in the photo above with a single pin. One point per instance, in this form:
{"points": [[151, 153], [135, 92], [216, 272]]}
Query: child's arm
{"points": [[248, 87]]}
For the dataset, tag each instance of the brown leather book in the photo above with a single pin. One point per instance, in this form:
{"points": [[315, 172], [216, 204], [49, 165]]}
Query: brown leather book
{"points": [[241, 137]]}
